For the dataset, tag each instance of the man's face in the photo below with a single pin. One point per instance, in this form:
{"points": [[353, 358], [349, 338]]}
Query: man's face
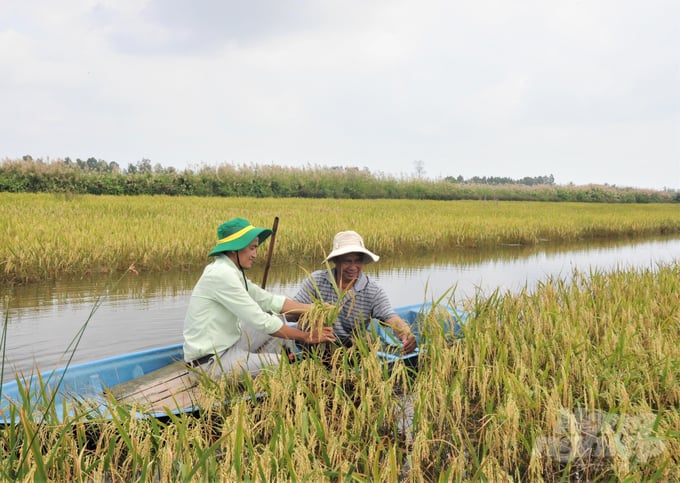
{"points": [[349, 266]]}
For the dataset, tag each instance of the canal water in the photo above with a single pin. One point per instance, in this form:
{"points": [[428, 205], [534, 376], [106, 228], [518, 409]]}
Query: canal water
{"points": [[118, 314]]}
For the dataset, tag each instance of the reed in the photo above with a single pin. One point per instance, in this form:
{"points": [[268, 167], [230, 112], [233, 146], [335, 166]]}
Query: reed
{"points": [[97, 177], [45, 236], [577, 379]]}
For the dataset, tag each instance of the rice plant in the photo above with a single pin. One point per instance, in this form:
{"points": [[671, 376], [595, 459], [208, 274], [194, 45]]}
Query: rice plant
{"points": [[47, 236], [577, 380]]}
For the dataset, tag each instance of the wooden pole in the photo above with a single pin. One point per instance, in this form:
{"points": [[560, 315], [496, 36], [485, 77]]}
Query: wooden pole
{"points": [[270, 251]]}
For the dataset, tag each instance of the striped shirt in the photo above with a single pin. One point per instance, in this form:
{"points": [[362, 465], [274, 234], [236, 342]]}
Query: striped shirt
{"points": [[365, 301]]}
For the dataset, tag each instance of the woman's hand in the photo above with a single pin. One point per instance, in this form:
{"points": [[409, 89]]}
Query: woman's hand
{"points": [[322, 334]]}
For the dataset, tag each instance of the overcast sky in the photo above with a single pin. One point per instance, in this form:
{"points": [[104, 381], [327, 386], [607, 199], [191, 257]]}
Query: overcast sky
{"points": [[588, 91]]}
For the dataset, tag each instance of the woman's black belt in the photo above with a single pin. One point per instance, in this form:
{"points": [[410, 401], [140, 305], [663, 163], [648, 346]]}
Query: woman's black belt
{"points": [[201, 360]]}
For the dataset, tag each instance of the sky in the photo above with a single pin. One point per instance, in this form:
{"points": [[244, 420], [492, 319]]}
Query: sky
{"points": [[585, 90]]}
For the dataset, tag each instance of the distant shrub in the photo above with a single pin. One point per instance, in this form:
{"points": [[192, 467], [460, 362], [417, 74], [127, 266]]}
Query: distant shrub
{"points": [[269, 181]]}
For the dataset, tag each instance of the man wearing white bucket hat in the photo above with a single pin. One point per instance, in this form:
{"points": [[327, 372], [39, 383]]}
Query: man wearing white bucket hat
{"points": [[363, 298]]}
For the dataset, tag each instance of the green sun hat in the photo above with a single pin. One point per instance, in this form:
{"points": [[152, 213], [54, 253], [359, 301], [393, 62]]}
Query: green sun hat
{"points": [[236, 234]]}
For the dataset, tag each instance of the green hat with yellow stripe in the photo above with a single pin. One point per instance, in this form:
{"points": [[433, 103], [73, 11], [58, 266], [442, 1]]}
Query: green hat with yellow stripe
{"points": [[236, 234]]}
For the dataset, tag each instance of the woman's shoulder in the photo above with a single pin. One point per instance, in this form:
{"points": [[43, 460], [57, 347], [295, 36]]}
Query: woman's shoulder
{"points": [[220, 268]]}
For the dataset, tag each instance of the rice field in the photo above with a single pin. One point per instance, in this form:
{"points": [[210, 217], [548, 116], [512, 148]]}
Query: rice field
{"points": [[45, 236], [577, 380]]}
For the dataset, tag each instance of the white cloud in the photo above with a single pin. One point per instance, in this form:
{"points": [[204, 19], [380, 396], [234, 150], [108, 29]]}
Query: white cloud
{"points": [[584, 90]]}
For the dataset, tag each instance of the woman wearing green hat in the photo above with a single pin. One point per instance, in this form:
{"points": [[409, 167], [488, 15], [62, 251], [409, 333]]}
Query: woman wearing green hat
{"points": [[229, 324]]}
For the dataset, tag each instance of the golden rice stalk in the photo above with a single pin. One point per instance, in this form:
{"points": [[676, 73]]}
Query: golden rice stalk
{"points": [[319, 316]]}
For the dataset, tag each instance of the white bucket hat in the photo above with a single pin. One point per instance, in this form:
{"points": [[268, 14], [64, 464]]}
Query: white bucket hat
{"points": [[350, 242]]}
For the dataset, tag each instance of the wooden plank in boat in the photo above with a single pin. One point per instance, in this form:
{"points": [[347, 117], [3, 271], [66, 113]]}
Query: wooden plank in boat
{"points": [[170, 387]]}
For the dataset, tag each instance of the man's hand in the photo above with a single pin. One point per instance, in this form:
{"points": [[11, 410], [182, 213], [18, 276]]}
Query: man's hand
{"points": [[403, 331], [409, 341]]}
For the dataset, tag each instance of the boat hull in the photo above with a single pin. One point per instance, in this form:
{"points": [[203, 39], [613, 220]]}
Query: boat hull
{"points": [[130, 377]]}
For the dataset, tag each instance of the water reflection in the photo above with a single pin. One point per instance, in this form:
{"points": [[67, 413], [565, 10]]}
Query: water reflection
{"points": [[510, 268], [545, 259], [119, 288], [524, 268], [136, 312]]}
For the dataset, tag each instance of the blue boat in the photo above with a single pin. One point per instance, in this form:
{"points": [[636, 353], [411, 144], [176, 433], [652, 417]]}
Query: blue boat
{"points": [[157, 382]]}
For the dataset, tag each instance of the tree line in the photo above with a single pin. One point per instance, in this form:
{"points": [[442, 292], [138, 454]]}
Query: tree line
{"points": [[497, 180], [98, 177]]}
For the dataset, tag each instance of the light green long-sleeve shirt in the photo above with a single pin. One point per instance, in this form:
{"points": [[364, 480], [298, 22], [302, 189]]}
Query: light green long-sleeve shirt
{"points": [[219, 303]]}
